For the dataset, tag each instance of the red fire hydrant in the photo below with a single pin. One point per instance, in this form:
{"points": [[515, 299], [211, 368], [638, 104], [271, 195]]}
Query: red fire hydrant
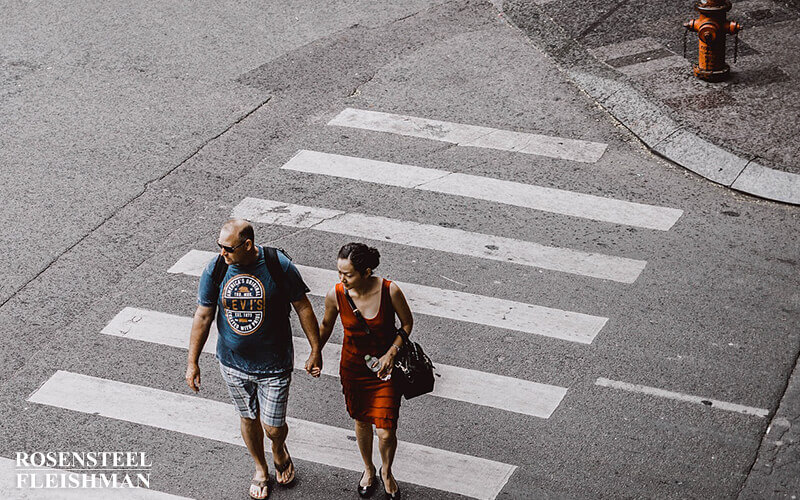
{"points": [[711, 28]]}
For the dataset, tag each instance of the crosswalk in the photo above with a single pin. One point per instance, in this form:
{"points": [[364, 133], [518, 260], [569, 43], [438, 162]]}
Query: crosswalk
{"points": [[439, 469], [451, 304], [423, 465], [439, 238], [484, 188], [471, 386], [471, 135]]}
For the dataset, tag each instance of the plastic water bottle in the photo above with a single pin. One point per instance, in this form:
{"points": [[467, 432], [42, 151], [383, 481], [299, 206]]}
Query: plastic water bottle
{"points": [[374, 364]]}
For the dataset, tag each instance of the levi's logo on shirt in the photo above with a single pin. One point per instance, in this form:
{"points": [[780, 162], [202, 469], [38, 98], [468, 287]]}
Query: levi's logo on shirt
{"points": [[243, 302]]}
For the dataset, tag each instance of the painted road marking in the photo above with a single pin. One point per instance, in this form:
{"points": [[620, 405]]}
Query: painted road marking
{"points": [[451, 304], [510, 193], [188, 414], [461, 384], [626, 48], [638, 57], [442, 239], [9, 485], [652, 391], [472, 135]]}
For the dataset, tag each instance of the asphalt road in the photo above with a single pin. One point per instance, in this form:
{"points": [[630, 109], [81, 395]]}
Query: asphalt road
{"points": [[135, 131]]}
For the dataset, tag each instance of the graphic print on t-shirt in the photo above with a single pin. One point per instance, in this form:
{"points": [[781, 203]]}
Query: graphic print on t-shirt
{"points": [[243, 301]]}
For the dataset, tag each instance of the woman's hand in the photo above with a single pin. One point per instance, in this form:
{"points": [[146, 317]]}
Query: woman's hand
{"points": [[387, 362]]}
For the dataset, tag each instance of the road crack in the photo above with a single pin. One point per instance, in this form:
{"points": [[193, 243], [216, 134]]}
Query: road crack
{"points": [[132, 200]]}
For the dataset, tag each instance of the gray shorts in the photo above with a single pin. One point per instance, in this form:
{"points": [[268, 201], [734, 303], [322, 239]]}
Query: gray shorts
{"points": [[264, 395]]}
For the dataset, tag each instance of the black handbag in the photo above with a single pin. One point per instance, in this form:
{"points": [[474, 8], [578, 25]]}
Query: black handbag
{"points": [[413, 369]]}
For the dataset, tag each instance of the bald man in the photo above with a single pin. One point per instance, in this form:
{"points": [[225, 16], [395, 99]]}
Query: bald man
{"points": [[254, 347]]}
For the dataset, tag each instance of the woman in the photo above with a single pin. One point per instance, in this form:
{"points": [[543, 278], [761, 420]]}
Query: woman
{"points": [[369, 399]]}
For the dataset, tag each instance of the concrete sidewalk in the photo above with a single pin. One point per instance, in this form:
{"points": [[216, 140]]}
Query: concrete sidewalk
{"points": [[743, 133]]}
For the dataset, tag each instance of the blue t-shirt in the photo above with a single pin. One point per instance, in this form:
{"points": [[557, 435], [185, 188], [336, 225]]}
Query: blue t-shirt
{"points": [[253, 315]]}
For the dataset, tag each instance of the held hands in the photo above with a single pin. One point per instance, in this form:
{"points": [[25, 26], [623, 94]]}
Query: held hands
{"points": [[314, 364], [193, 376]]}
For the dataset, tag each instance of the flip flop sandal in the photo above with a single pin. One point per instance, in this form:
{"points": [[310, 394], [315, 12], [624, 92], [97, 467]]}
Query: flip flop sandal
{"points": [[260, 485], [282, 468]]}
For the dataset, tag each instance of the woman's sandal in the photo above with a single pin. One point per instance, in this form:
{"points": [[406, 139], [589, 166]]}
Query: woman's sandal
{"points": [[368, 490], [389, 496]]}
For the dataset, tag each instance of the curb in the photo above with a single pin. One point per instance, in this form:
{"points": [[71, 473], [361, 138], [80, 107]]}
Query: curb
{"points": [[643, 116]]}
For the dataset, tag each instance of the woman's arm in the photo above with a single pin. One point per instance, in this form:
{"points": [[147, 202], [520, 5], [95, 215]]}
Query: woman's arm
{"points": [[329, 318], [406, 323]]}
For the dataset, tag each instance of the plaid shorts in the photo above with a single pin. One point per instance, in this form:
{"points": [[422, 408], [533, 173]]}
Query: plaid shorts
{"points": [[251, 393]]}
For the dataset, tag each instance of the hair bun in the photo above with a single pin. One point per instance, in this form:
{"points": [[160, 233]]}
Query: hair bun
{"points": [[362, 256]]}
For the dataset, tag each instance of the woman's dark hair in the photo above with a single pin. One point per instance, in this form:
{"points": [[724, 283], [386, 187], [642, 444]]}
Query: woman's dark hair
{"points": [[361, 256]]}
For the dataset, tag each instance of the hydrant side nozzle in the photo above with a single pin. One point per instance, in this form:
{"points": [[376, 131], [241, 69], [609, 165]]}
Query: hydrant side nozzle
{"points": [[689, 25], [734, 27]]}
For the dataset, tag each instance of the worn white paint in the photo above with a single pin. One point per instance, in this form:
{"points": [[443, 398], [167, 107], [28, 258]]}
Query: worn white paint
{"points": [[444, 470], [626, 48], [510, 193], [652, 391], [452, 382], [654, 65], [451, 304], [442, 239], [471, 135]]}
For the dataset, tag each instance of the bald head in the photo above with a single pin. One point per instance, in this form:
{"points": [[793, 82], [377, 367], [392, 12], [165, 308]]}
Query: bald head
{"points": [[237, 242], [239, 229]]}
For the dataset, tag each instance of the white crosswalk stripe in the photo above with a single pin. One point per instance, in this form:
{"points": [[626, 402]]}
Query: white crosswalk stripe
{"points": [[444, 470], [677, 396], [31, 483], [471, 135], [442, 239], [451, 304], [471, 386], [484, 188]]}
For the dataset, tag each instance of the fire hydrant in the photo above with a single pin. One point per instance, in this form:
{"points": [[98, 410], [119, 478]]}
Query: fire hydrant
{"points": [[711, 28]]}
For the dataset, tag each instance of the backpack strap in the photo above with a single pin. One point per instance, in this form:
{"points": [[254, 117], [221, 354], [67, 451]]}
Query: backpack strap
{"points": [[275, 269], [218, 274]]}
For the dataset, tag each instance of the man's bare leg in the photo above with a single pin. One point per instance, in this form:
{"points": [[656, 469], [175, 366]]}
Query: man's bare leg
{"points": [[253, 437], [280, 453]]}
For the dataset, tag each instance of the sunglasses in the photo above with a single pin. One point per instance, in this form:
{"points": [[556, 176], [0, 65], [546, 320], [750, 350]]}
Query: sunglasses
{"points": [[230, 249]]}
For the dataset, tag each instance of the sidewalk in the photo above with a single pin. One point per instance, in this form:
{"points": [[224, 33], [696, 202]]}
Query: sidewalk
{"points": [[627, 55]]}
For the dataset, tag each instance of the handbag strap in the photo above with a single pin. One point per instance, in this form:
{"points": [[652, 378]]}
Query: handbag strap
{"points": [[356, 311]]}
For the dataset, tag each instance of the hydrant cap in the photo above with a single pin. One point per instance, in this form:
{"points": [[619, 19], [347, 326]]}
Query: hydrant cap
{"points": [[708, 33]]}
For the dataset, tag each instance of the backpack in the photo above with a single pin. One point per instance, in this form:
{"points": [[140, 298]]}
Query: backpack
{"points": [[273, 267]]}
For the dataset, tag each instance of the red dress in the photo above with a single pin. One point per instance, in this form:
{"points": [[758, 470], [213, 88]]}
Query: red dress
{"points": [[368, 398]]}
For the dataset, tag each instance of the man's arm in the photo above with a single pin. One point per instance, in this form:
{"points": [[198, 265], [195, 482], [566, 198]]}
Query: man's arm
{"points": [[201, 324], [308, 320]]}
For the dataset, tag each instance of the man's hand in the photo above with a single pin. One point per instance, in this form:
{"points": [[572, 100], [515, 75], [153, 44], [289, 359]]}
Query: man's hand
{"points": [[310, 327], [314, 364], [201, 323], [193, 376]]}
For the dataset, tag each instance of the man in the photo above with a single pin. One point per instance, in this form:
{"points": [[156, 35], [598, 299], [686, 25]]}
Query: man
{"points": [[254, 348]]}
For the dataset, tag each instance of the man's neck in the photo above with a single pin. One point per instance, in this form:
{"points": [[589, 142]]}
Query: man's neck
{"points": [[251, 257]]}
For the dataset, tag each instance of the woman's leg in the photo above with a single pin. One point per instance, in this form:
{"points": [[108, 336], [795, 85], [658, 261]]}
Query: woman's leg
{"points": [[364, 438], [387, 444]]}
